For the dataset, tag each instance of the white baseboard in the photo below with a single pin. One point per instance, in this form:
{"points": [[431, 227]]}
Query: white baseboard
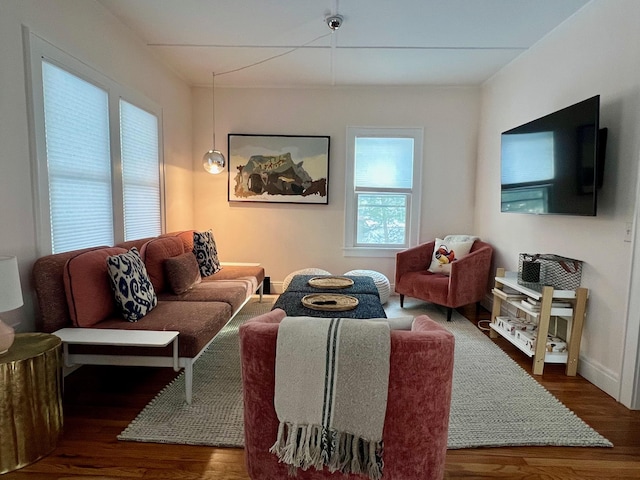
{"points": [[603, 378]]}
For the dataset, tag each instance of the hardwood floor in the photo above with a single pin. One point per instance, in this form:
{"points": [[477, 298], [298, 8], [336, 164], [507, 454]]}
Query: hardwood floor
{"points": [[101, 401]]}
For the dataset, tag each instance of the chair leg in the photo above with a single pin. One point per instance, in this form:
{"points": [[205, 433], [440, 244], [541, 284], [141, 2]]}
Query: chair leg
{"points": [[401, 301], [449, 313]]}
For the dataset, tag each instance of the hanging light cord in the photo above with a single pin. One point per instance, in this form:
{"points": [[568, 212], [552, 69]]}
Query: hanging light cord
{"points": [[275, 56], [214, 75], [213, 106]]}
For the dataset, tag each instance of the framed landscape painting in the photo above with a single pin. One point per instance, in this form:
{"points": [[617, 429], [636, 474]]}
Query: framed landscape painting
{"points": [[278, 168]]}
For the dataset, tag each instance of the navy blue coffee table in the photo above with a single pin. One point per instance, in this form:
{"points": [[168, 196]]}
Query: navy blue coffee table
{"points": [[363, 288], [361, 284]]}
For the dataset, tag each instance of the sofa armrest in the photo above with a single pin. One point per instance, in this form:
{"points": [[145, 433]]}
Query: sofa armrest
{"points": [[424, 323], [469, 277], [414, 259]]}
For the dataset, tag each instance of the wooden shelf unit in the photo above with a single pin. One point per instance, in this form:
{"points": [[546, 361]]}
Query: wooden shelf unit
{"points": [[574, 316]]}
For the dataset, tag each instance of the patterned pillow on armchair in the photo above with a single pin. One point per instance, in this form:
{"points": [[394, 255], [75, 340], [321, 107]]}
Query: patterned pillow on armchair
{"points": [[445, 252]]}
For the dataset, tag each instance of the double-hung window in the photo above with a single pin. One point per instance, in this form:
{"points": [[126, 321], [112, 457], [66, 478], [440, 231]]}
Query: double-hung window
{"points": [[383, 190], [98, 158]]}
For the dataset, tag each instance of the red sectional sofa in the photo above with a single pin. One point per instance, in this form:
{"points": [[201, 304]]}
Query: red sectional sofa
{"points": [[73, 290]]}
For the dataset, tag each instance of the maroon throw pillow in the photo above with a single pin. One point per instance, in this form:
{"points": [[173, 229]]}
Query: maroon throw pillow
{"points": [[182, 272]]}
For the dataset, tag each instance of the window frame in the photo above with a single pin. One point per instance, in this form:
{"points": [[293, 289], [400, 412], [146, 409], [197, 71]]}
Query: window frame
{"points": [[414, 199], [38, 50]]}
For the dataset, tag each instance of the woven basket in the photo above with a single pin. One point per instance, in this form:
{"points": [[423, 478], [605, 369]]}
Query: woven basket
{"points": [[561, 273], [330, 282], [329, 302]]}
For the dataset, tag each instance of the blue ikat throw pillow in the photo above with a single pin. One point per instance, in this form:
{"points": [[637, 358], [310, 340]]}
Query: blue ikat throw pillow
{"points": [[132, 288], [204, 248]]}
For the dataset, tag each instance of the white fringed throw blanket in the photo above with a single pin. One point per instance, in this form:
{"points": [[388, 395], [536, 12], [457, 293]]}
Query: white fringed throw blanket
{"points": [[332, 378]]}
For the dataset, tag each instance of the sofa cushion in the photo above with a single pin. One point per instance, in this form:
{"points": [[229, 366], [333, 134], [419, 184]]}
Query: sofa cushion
{"points": [[154, 253], [197, 322], [447, 252], [416, 283], [87, 287], [204, 248], [254, 274], [132, 288], [233, 292], [182, 272]]}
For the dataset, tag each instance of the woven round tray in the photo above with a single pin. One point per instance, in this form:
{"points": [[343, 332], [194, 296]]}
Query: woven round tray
{"points": [[330, 282], [329, 302]]}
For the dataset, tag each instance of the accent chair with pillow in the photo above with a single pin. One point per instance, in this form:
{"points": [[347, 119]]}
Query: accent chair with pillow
{"points": [[452, 272], [416, 420]]}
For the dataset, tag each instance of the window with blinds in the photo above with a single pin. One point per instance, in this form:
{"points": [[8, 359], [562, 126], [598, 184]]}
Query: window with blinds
{"points": [[383, 181], [383, 193], [76, 117], [140, 172], [99, 160]]}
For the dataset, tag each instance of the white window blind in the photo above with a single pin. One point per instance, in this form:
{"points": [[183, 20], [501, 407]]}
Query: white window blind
{"points": [[96, 155], [383, 190], [76, 116], [383, 162], [140, 172]]}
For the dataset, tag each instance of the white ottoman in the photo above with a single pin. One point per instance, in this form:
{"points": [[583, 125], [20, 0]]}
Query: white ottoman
{"points": [[381, 282], [304, 271]]}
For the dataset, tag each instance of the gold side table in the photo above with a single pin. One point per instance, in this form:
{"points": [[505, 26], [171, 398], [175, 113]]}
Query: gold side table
{"points": [[30, 399]]}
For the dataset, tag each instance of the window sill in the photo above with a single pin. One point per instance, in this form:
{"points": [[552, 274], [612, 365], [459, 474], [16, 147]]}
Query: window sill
{"points": [[370, 252]]}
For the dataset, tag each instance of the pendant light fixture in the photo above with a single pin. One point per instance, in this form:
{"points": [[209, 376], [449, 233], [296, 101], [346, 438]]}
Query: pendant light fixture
{"points": [[213, 161]]}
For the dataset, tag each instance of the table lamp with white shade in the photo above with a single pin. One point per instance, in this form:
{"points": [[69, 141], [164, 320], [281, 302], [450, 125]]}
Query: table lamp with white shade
{"points": [[10, 297]]}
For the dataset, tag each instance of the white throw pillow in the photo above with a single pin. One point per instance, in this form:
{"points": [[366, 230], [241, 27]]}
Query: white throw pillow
{"points": [[447, 252]]}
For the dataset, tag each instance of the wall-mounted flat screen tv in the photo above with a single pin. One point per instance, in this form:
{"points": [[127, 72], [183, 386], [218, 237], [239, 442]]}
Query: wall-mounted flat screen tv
{"points": [[554, 164]]}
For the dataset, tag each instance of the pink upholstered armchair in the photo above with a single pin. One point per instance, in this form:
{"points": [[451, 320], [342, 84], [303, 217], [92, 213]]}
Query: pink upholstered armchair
{"points": [[467, 282], [417, 416]]}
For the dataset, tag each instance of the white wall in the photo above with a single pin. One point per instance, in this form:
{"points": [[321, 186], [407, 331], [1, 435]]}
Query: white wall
{"points": [[289, 237], [597, 51], [85, 30]]}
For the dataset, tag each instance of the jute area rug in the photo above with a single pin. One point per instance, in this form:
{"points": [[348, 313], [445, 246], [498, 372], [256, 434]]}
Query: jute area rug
{"points": [[495, 402]]}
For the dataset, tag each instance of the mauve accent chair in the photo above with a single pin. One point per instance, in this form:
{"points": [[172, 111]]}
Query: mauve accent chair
{"points": [[417, 417], [467, 283]]}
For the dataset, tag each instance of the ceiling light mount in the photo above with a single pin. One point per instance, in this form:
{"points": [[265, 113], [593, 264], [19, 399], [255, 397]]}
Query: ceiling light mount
{"points": [[334, 22]]}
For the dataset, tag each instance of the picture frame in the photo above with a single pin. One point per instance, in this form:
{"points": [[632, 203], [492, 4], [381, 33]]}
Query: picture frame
{"points": [[278, 168]]}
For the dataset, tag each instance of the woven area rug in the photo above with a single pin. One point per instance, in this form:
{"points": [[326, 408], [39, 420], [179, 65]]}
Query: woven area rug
{"points": [[495, 402], [215, 414]]}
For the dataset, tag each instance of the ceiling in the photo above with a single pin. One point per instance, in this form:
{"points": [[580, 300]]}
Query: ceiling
{"points": [[288, 42]]}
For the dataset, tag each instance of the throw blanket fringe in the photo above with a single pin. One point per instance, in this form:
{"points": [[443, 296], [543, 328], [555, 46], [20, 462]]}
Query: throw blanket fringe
{"points": [[304, 446], [331, 393]]}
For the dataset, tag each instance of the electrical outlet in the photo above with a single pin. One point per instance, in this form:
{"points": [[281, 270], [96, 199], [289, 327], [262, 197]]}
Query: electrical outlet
{"points": [[627, 231]]}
